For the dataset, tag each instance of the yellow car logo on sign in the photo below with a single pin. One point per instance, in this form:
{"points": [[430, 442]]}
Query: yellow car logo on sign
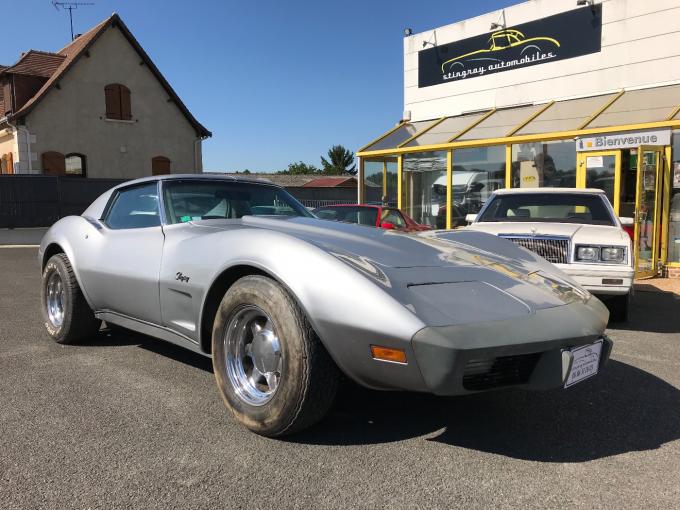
{"points": [[502, 40]]}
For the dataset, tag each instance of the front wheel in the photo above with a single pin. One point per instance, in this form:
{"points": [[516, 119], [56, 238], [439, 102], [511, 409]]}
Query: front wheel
{"points": [[272, 371], [67, 316]]}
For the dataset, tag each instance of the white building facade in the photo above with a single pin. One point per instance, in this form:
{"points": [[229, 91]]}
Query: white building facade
{"points": [[543, 93]]}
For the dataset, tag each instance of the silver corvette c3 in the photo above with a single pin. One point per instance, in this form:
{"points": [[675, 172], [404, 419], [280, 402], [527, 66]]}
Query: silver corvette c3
{"points": [[285, 302]]}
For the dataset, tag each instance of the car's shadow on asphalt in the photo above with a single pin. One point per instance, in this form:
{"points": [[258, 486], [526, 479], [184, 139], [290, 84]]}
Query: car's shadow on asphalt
{"points": [[119, 337], [623, 410], [652, 311]]}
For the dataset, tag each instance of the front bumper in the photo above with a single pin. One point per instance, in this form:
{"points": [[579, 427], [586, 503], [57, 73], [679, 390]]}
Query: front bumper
{"points": [[600, 279], [526, 352]]}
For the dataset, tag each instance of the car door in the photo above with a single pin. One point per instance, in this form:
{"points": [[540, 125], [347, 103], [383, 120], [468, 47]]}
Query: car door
{"points": [[121, 262]]}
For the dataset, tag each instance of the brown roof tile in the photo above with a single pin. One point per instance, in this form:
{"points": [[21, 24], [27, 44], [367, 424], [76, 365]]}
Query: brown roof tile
{"points": [[36, 63], [285, 180], [342, 181]]}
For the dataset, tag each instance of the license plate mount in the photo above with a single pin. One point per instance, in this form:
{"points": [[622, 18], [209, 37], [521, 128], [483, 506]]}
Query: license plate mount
{"points": [[585, 362]]}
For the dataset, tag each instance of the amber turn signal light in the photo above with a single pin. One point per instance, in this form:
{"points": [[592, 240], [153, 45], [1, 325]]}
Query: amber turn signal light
{"points": [[388, 354]]}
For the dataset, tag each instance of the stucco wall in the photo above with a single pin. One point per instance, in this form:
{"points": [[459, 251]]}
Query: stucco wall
{"points": [[72, 118], [640, 47]]}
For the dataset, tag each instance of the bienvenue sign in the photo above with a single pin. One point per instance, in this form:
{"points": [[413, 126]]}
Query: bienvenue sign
{"points": [[630, 140]]}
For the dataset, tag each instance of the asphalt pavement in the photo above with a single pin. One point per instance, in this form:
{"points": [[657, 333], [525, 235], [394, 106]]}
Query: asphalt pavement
{"points": [[127, 421]]}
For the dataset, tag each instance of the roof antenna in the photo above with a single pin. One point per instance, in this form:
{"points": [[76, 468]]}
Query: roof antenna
{"points": [[69, 6]]}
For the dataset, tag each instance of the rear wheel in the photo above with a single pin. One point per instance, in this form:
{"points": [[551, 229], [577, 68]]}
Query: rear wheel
{"points": [[66, 314], [272, 371], [619, 308]]}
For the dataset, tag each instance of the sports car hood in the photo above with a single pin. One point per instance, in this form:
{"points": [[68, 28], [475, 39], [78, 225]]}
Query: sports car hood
{"points": [[444, 277], [389, 249]]}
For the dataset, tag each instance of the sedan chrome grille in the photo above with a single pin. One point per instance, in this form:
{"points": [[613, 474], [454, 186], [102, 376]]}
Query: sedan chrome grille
{"points": [[553, 249]]}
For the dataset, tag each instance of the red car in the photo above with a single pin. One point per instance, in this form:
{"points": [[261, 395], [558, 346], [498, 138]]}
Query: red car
{"points": [[389, 218]]}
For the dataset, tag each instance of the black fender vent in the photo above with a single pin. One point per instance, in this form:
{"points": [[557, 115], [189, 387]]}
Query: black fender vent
{"points": [[484, 374]]}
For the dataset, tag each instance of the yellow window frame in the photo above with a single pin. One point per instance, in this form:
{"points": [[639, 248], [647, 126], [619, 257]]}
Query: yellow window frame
{"points": [[582, 167], [659, 150]]}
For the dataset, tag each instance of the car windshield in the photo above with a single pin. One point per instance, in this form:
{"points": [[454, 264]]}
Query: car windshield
{"points": [[349, 214], [192, 200], [548, 207]]}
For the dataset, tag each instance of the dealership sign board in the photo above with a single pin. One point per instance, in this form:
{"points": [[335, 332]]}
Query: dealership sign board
{"points": [[566, 35], [630, 140]]}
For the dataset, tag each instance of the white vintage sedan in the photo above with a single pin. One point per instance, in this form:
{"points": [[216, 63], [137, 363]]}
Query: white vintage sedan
{"points": [[575, 229]]}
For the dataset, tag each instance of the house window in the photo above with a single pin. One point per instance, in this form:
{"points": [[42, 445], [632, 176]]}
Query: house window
{"points": [[75, 164], [160, 165], [118, 105], [53, 163], [7, 164]]}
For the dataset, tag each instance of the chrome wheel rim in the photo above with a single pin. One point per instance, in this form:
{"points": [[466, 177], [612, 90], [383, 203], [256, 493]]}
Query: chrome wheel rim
{"points": [[253, 355], [55, 299]]}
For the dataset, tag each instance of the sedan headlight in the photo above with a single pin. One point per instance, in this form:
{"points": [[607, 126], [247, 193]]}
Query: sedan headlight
{"points": [[607, 254], [590, 253], [612, 254]]}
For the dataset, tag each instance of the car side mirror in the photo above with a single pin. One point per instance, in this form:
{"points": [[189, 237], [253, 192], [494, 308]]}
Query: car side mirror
{"points": [[387, 225], [470, 218], [475, 187], [628, 224]]}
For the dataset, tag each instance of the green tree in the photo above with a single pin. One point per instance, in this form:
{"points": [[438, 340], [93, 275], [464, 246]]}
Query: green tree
{"points": [[340, 162], [299, 168]]}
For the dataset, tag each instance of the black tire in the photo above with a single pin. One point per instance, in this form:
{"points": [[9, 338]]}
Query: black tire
{"points": [[308, 378], [619, 308], [79, 322]]}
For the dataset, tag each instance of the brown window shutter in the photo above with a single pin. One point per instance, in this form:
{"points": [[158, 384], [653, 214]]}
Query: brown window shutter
{"points": [[6, 97], [113, 106], [125, 106], [53, 163], [160, 165], [10, 162]]}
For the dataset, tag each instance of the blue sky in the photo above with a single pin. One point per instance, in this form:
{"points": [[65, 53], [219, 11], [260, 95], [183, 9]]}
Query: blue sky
{"points": [[275, 81]]}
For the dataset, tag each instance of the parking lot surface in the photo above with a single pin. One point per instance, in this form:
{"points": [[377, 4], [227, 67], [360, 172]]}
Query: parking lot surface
{"points": [[127, 421]]}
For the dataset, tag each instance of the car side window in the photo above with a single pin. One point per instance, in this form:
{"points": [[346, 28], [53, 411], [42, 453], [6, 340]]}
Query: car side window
{"points": [[393, 217], [135, 207]]}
